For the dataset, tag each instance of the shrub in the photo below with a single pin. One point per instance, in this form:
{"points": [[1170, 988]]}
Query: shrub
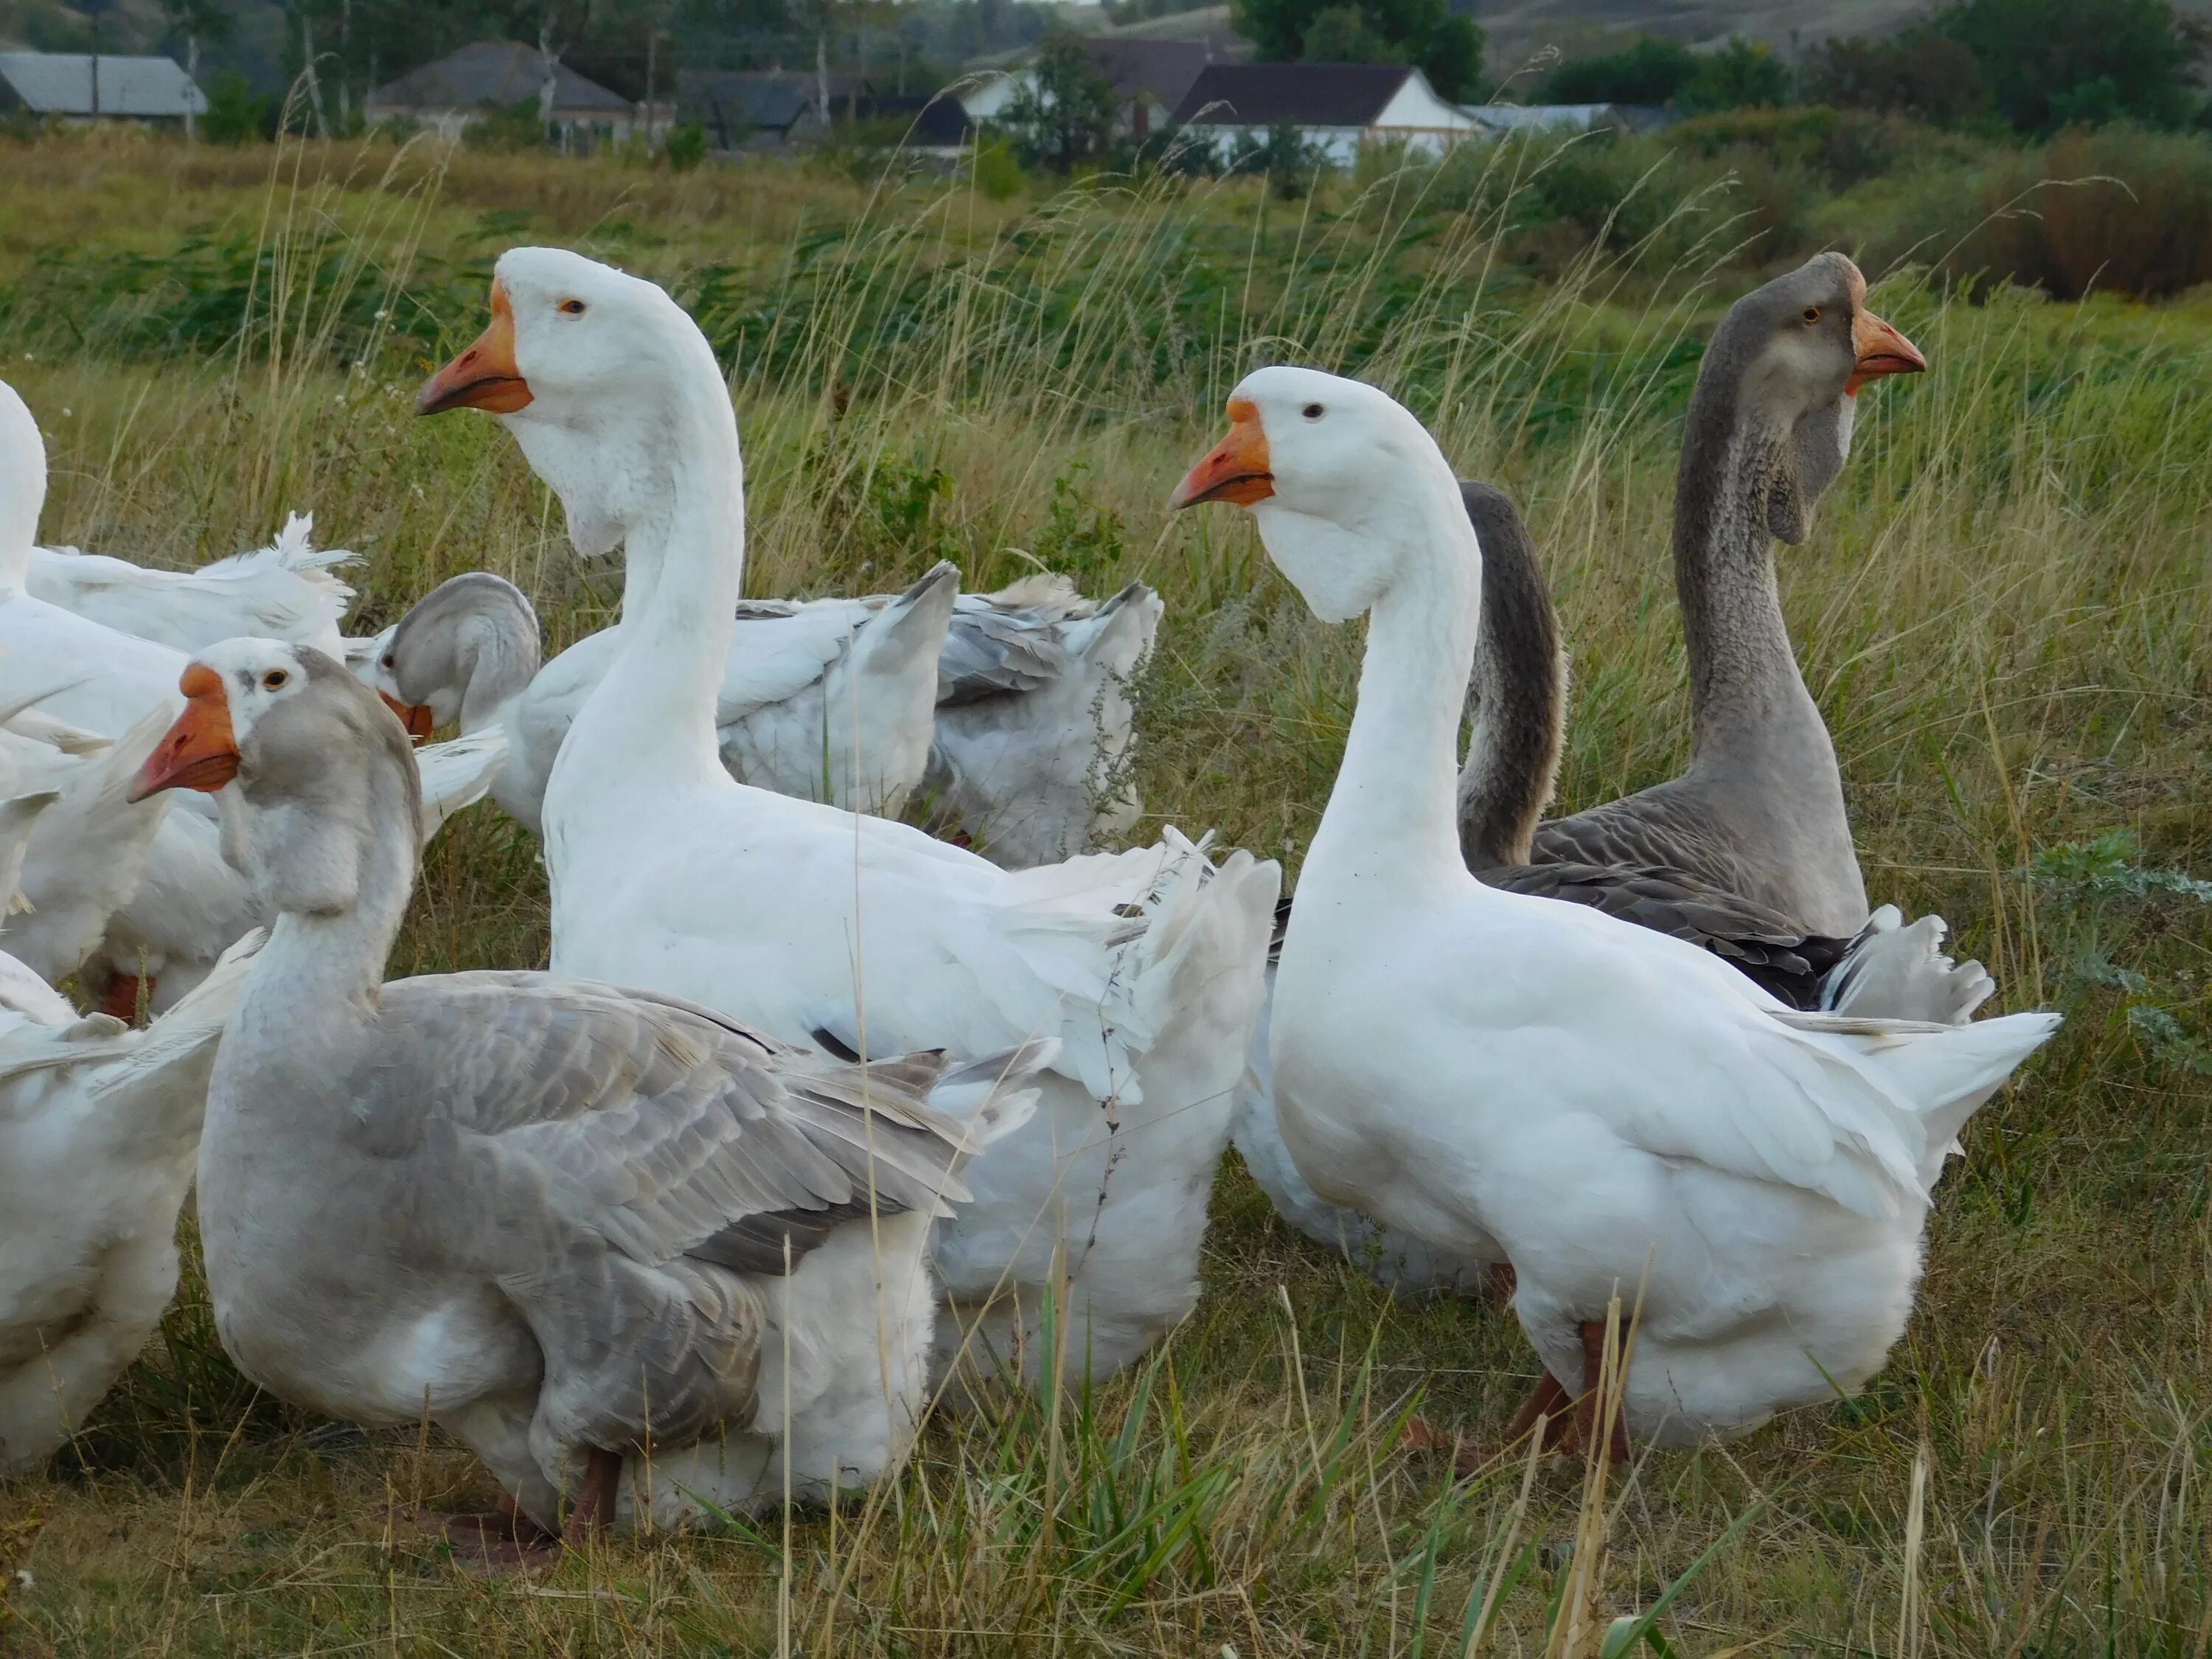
{"points": [[997, 170], [236, 114], [684, 145], [506, 127], [1739, 76]]}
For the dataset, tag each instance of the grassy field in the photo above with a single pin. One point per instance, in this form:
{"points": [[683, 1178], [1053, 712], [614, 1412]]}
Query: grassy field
{"points": [[2005, 613]]}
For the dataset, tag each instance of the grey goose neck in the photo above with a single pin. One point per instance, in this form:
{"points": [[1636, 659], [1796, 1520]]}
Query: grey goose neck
{"points": [[1516, 693]]}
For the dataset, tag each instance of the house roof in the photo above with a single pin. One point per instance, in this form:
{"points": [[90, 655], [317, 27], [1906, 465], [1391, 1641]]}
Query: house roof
{"points": [[772, 100], [1163, 69], [495, 72], [60, 83], [934, 120], [1302, 95]]}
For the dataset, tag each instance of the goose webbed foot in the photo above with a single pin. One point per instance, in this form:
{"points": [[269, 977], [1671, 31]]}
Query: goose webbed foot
{"points": [[594, 1508], [126, 996]]}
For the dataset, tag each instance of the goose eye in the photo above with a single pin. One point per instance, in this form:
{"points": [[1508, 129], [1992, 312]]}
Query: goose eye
{"points": [[276, 680], [390, 661], [572, 307], [1313, 411], [1812, 313]]}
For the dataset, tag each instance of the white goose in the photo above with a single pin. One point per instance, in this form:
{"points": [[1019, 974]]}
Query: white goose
{"points": [[99, 1126], [188, 905], [285, 591], [821, 926], [1611, 1107], [827, 701], [621, 1247]]}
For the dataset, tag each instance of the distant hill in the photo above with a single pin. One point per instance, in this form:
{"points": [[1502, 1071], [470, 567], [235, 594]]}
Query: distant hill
{"points": [[1517, 29]]}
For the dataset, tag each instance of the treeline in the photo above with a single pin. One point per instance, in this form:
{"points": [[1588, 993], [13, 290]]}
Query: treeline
{"points": [[2028, 67]]}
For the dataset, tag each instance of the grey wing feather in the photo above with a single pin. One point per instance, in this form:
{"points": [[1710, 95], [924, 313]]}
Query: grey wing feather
{"points": [[1758, 942], [988, 652], [1644, 831], [656, 1126]]}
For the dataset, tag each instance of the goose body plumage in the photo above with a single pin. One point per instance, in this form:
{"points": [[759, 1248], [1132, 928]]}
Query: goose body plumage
{"points": [[828, 699], [555, 1214], [1035, 719], [98, 1128], [1616, 1111], [285, 591], [855, 933], [1018, 735]]}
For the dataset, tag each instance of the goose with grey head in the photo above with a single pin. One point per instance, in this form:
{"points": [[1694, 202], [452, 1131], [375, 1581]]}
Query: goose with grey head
{"points": [[854, 933], [636, 1257], [1617, 1112], [1759, 820]]}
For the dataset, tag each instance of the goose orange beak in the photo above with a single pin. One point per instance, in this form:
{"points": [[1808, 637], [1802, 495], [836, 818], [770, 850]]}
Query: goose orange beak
{"points": [[484, 376], [415, 716], [1882, 350], [1237, 470], [198, 752]]}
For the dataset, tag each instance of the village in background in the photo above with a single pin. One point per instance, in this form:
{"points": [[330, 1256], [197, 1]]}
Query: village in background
{"points": [[1288, 87]]}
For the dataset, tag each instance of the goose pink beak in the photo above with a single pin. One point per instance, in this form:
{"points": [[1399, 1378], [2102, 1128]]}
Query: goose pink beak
{"points": [[1882, 350], [198, 752], [484, 376], [1237, 470]]}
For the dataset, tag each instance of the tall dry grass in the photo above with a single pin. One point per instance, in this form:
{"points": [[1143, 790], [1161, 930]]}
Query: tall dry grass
{"points": [[2004, 613]]}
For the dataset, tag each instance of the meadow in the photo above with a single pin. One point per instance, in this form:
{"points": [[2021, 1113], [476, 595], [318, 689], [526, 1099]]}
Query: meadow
{"points": [[2004, 612]]}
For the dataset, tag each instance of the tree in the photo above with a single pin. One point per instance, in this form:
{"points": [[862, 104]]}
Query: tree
{"points": [[198, 20], [1649, 71], [1919, 73], [1739, 76], [2043, 60], [1447, 48], [1064, 110]]}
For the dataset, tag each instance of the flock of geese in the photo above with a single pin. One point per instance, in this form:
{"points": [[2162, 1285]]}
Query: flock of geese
{"points": [[817, 1113]]}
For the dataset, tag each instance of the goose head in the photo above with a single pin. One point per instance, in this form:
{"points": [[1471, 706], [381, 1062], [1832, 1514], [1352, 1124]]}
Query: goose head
{"points": [[22, 484], [324, 773], [1784, 371], [599, 375], [467, 648], [1338, 476]]}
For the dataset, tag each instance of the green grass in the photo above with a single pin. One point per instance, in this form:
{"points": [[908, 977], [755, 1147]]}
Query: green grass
{"points": [[2005, 613]]}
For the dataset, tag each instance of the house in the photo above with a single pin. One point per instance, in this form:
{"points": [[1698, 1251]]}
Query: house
{"points": [[774, 109], [458, 90], [1149, 77], [1336, 107], [1502, 120], [77, 86], [750, 109], [934, 125]]}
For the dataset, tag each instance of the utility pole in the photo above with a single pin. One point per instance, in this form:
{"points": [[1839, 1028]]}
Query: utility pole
{"points": [[652, 63]]}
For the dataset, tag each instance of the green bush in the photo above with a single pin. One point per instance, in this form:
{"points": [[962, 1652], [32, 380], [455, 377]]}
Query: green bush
{"points": [[997, 170], [236, 114], [684, 145], [506, 127]]}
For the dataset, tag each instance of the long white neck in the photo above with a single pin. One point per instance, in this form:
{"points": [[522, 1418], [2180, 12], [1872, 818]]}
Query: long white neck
{"points": [[651, 721], [1392, 814]]}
